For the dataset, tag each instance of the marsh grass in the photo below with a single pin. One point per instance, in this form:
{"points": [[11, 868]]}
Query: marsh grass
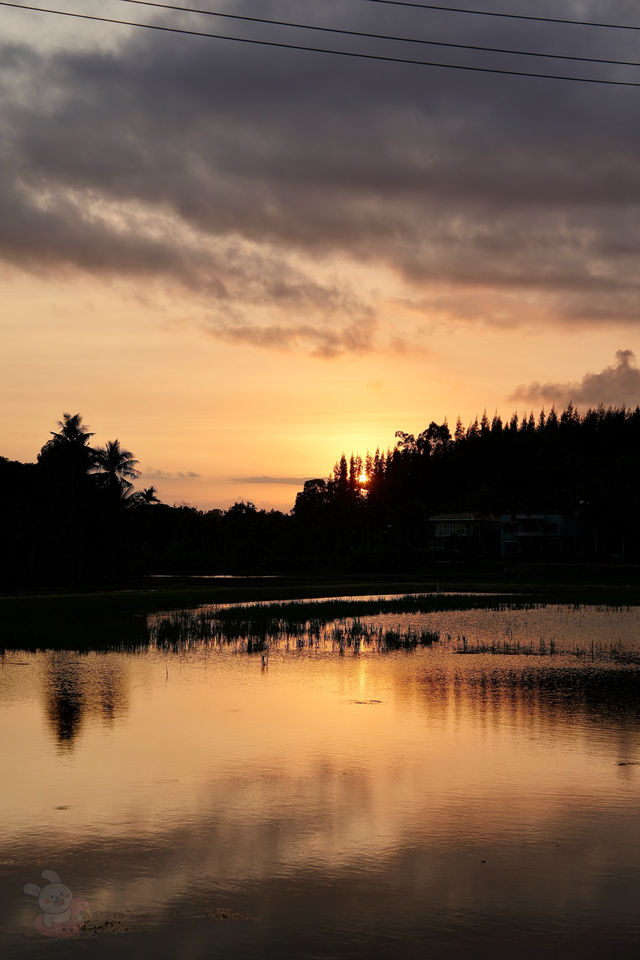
{"points": [[302, 612], [184, 628], [315, 622], [342, 625]]}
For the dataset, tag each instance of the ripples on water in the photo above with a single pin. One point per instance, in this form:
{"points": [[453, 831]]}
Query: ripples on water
{"points": [[330, 799]]}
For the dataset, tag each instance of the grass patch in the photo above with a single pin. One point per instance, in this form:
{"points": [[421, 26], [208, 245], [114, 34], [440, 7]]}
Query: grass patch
{"points": [[186, 628]]}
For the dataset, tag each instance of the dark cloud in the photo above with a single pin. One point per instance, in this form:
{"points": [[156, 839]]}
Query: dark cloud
{"points": [[616, 385], [254, 179], [320, 341]]}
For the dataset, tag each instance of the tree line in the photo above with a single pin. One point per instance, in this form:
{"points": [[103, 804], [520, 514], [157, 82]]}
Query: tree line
{"points": [[73, 517], [585, 467]]}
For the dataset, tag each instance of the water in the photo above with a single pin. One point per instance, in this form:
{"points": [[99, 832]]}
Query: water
{"points": [[212, 804]]}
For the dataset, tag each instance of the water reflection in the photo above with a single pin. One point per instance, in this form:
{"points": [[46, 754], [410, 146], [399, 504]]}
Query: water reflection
{"points": [[75, 685], [333, 806], [529, 694], [64, 702]]}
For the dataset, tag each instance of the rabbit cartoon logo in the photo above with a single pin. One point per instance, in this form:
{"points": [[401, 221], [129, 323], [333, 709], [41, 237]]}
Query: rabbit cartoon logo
{"points": [[63, 915]]}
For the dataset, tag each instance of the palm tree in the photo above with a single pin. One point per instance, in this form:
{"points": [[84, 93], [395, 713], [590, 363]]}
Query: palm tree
{"points": [[72, 430], [68, 452], [115, 467], [144, 497], [148, 495]]}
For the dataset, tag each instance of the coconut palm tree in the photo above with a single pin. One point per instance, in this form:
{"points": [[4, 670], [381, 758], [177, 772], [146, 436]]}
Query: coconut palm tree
{"points": [[148, 495], [72, 430], [68, 452], [115, 468], [144, 497]]}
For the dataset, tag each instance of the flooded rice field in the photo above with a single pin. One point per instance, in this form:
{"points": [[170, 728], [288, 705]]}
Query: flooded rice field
{"points": [[351, 782]]}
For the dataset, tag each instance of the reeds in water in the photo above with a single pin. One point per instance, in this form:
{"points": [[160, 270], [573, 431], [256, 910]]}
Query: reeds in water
{"points": [[186, 628]]}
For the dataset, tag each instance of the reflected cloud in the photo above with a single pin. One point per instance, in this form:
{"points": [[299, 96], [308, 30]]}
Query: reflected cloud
{"points": [[297, 852], [427, 789]]}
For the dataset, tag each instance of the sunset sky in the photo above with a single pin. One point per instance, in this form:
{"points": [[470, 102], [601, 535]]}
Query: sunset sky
{"points": [[244, 260]]}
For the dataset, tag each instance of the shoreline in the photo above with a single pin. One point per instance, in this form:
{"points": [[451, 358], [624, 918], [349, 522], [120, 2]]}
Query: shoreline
{"points": [[108, 617]]}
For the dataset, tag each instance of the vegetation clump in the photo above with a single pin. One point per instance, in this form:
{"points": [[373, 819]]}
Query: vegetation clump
{"points": [[186, 628]]}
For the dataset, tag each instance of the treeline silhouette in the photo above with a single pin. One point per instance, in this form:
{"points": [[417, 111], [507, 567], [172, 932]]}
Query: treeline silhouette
{"points": [[582, 467], [73, 517]]}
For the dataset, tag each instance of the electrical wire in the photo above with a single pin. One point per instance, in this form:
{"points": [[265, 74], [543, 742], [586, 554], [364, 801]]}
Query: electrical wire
{"points": [[309, 49], [509, 16], [381, 36]]}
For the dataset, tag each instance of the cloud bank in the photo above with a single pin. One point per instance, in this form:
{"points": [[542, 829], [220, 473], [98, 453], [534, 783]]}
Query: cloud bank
{"points": [[616, 385], [261, 185]]}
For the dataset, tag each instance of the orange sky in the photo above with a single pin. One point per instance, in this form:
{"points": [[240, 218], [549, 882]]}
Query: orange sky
{"points": [[243, 266], [186, 403]]}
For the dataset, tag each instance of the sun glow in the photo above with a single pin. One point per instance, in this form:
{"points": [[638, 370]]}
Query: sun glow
{"points": [[363, 479]]}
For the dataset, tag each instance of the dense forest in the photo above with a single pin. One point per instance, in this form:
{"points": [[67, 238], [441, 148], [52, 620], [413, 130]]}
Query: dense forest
{"points": [[73, 517]]}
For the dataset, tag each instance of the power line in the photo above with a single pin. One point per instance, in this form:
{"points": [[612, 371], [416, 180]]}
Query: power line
{"points": [[308, 49], [382, 36], [509, 16]]}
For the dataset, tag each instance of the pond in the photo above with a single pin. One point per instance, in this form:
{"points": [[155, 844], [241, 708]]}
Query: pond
{"points": [[330, 795]]}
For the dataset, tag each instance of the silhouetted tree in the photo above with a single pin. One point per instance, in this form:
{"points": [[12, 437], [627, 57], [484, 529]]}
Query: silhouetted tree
{"points": [[115, 468], [68, 452], [312, 499], [147, 496]]}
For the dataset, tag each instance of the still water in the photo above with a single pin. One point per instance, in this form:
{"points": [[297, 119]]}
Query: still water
{"points": [[327, 803]]}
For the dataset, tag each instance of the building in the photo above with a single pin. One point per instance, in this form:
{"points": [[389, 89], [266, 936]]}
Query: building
{"points": [[516, 535], [537, 535], [459, 535]]}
